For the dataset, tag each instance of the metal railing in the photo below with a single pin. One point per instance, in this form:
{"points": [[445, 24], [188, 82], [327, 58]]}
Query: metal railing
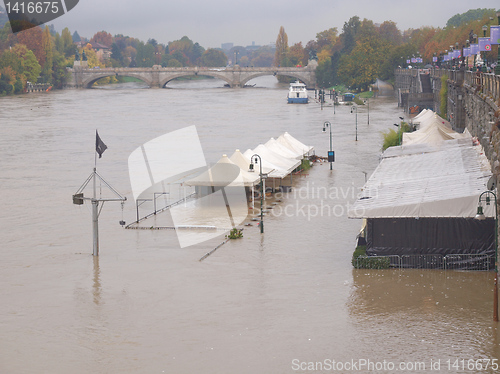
{"points": [[477, 262]]}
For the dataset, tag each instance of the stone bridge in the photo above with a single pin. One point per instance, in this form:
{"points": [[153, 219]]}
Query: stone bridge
{"points": [[158, 77]]}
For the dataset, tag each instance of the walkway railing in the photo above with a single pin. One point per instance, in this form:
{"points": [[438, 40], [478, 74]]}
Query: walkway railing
{"points": [[479, 262]]}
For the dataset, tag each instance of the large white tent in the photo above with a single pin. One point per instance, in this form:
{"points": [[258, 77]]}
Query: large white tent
{"points": [[422, 199], [425, 181], [433, 132], [426, 117], [225, 173], [295, 145], [244, 162], [283, 166], [282, 150]]}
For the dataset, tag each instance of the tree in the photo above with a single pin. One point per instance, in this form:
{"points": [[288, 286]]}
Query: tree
{"points": [[324, 74], [389, 32], [281, 53], [471, 15], [263, 57], [21, 62], [102, 37], [67, 41], [362, 66], [173, 63], [60, 74], [116, 54], [298, 55], [76, 37], [325, 40], [188, 52], [349, 32], [213, 58], [47, 47], [145, 55], [32, 39]]}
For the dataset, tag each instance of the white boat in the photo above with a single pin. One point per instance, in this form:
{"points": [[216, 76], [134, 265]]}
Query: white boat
{"points": [[297, 93]]}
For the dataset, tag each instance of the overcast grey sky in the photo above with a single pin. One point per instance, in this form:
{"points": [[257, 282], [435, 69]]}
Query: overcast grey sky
{"points": [[212, 22]]}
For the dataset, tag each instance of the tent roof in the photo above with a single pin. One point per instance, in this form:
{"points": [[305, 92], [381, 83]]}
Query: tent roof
{"points": [[244, 162], [282, 150], [424, 180], [295, 145], [282, 166], [426, 117], [433, 131], [225, 173]]}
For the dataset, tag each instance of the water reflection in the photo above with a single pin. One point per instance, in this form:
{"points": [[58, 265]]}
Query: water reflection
{"points": [[376, 292], [444, 315], [96, 287]]}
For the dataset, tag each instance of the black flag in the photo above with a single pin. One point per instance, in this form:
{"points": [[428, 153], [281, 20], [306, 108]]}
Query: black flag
{"points": [[100, 147]]}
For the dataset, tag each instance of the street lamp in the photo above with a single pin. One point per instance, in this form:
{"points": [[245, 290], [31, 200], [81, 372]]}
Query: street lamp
{"points": [[400, 135], [262, 192], [484, 60], [356, 109], [331, 154], [480, 216], [475, 54], [368, 103], [497, 68]]}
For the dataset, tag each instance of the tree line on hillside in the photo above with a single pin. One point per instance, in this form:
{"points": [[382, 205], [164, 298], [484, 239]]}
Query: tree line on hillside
{"points": [[365, 51], [355, 57]]}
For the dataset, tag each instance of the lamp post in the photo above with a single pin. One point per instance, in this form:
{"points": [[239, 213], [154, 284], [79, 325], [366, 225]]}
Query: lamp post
{"points": [[497, 68], [400, 133], [475, 54], [368, 103], [331, 155], [356, 109], [262, 192], [480, 216], [484, 59]]}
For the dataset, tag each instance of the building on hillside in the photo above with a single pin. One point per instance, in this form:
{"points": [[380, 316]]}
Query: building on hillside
{"points": [[103, 52]]}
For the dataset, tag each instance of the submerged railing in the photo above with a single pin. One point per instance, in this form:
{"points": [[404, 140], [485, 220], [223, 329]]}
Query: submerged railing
{"points": [[478, 262]]}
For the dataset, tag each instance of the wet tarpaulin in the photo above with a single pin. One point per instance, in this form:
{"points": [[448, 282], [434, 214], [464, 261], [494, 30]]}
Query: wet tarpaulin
{"points": [[430, 236]]}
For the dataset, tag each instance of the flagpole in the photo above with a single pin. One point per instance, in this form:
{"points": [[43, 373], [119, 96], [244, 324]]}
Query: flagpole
{"points": [[95, 206], [78, 198], [95, 219], [95, 150]]}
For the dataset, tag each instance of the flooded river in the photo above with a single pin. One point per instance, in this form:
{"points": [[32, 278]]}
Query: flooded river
{"points": [[285, 301]]}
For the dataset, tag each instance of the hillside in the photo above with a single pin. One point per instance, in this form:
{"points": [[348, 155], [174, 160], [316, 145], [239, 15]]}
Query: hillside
{"points": [[3, 17]]}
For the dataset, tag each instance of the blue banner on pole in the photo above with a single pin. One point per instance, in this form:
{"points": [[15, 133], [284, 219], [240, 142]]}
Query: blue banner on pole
{"points": [[484, 44], [495, 34]]}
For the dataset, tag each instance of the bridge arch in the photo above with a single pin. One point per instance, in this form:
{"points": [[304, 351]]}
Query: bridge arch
{"points": [[94, 78], [205, 73], [261, 74]]}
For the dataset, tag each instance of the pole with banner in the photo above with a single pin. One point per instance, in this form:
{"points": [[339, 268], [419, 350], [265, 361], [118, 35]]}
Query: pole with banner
{"points": [[78, 197]]}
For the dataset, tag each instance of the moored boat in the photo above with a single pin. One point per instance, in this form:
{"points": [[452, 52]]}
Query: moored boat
{"points": [[297, 94]]}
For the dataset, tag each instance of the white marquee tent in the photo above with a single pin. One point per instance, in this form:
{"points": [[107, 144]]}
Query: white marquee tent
{"points": [[225, 173], [295, 145]]}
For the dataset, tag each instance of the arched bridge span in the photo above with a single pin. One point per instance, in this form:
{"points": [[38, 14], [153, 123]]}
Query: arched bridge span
{"points": [[157, 77]]}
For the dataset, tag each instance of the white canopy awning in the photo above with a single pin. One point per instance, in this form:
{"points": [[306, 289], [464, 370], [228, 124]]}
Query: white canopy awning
{"points": [[244, 162], [225, 173], [433, 131], [282, 150], [295, 145], [282, 166], [426, 117], [423, 180]]}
